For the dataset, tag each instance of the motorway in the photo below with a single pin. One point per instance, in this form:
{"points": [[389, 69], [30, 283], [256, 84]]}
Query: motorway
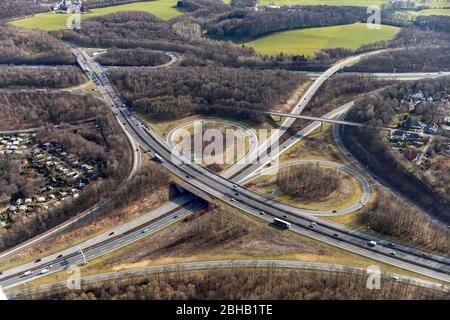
{"points": [[236, 196], [400, 76], [135, 230], [226, 190]]}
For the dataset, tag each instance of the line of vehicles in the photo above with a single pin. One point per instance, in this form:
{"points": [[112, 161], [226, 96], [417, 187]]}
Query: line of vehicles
{"points": [[286, 225]]}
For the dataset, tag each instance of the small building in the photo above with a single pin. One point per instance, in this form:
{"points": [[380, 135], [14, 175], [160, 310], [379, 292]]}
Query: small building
{"points": [[40, 199], [418, 96]]}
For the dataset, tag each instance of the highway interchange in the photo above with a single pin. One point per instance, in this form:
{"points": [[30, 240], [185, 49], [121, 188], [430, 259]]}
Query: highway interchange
{"points": [[226, 188]]}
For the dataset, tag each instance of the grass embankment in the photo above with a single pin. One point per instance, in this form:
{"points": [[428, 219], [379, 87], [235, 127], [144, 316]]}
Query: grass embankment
{"points": [[309, 41], [164, 9]]}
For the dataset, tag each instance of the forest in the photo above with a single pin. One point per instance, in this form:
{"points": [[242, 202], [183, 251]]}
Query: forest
{"points": [[19, 8], [433, 23], [132, 57], [371, 147], [390, 216], [23, 46], [21, 110], [308, 182], [407, 60], [245, 283], [180, 91], [245, 24], [42, 77], [340, 89]]}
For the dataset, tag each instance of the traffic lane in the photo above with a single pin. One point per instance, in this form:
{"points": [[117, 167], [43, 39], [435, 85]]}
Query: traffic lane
{"points": [[91, 253], [150, 216]]}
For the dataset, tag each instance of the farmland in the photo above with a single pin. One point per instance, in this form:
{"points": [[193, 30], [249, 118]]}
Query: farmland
{"points": [[309, 41], [429, 12], [164, 9], [362, 3]]}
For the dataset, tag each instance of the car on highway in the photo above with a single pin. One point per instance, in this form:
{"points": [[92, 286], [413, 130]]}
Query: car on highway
{"points": [[393, 253], [44, 271], [59, 256], [372, 243], [111, 233], [232, 199], [27, 273], [335, 234], [312, 224], [423, 254], [261, 212], [236, 194], [235, 186], [145, 230], [37, 260]]}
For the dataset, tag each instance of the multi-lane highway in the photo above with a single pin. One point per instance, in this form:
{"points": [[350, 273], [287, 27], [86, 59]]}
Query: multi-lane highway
{"points": [[400, 76], [229, 192], [234, 195], [113, 239]]}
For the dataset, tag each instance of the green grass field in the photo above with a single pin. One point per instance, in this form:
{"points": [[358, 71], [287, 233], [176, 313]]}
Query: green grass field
{"points": [[429, 12], [164, 9], [309, 41], [361, 3]]}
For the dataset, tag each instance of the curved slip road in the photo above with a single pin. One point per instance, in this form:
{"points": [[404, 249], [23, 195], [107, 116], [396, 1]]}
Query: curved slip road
{"points": [[365, 187], [249, 132]]}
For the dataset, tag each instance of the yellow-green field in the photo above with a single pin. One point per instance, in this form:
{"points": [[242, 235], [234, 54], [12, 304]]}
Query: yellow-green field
{"points": [[164, 9], [429, 12], [309, 41], [360, 3]]}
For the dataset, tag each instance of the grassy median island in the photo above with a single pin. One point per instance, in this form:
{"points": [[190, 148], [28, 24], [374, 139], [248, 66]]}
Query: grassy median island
{"points": [[310, 186], [164, 9], [309, 41]]}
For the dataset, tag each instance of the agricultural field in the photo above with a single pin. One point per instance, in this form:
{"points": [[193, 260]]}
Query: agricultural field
{"points": [[309, 41], [429, 12], [164, 9], [361, 3]]}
